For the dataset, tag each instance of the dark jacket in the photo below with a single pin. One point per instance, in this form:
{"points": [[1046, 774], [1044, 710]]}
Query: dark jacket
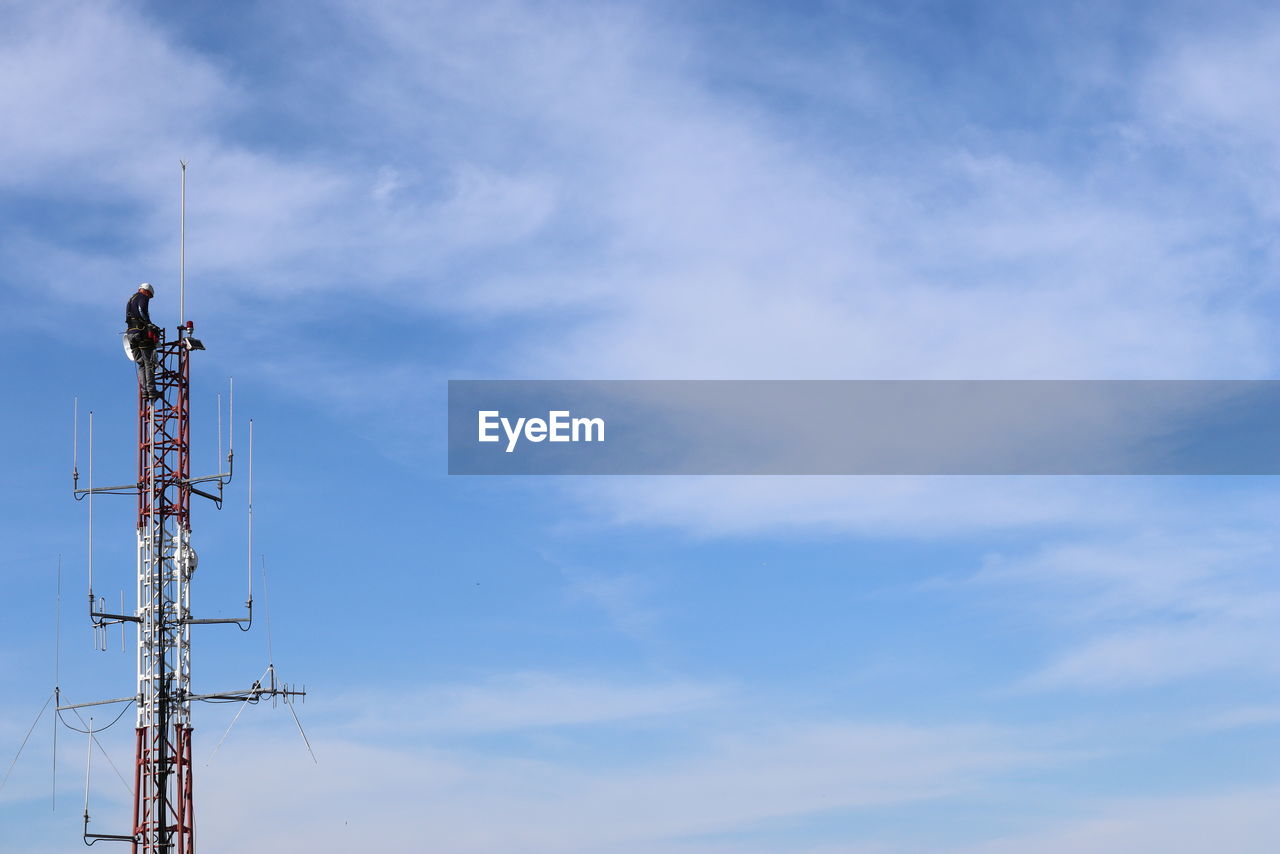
{"points": [[136, 313]]}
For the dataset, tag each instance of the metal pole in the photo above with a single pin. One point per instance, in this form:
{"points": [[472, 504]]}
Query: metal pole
{"points": [[88, 769], [90, 511], [182, 251], [249, 520], [57, 677]]}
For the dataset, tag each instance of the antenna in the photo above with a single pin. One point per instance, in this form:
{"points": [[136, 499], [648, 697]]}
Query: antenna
{"points": [[249, 517], [88, 769], [90, 511], [266, 593], [182, 250], [57, 678], [57, 627]]}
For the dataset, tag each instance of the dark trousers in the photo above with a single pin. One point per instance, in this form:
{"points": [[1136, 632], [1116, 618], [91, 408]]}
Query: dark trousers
{"points": [[144, 351]]}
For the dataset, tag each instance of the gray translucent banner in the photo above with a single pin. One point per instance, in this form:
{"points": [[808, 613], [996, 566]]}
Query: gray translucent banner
{"points": [[864, 427]]}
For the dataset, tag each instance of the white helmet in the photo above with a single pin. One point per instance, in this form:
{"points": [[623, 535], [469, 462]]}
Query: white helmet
{"points": [[146, 286]]}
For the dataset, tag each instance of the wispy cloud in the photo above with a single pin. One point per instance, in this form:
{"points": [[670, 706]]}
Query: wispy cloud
{"points": [[1245, 716], [599, 166], [610, 195], [474, 802], [1245, 822], [624, 599], [526, 701], [1153, 608]]}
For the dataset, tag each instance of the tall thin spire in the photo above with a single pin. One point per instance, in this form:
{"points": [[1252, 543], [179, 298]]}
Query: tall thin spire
{"points": [[182, 250]]}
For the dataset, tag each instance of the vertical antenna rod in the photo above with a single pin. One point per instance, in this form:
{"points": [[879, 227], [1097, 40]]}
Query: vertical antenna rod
{"points": [[182, 250], [90, 512], [88, 769], [249, 538], [57, 678]]}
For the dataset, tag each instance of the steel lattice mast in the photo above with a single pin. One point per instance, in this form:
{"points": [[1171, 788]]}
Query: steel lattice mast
{"points": [[163, 820], [163, 809]]}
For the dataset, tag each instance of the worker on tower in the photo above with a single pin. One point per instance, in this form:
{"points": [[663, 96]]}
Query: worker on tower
{"points": [[143, 336]]}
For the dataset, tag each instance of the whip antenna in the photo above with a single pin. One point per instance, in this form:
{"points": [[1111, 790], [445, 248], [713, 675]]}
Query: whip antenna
{"points": [[182, 249]]}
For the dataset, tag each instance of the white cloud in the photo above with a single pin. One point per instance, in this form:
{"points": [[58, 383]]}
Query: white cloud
{"points": [[93, 95], [1213, 82], [1245, 716], [575, 168], [524, 701], [1147, 655], [1243, 822], [624, 599], [1159, 606], [897, 507], [590, 161], [476, 802]]}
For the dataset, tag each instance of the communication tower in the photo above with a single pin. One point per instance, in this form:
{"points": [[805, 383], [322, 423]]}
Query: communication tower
{"points": [[163, 820]]}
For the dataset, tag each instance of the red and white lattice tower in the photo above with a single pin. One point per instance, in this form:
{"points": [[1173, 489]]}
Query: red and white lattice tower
{"points": [[163, 815], [164, 806]]}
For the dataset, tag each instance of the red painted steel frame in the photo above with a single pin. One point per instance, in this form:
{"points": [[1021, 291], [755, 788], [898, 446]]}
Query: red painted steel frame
{"points": [[163, 772]]}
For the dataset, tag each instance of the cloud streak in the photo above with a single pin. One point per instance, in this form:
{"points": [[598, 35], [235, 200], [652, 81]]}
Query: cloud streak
{"points": [[478, 802], [602, 193]]}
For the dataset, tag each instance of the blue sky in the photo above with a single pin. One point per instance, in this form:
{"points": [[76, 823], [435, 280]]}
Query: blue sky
{"points": [[384, 196]]}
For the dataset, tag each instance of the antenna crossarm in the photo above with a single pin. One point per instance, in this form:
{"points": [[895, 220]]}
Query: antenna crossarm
{"points": [[122, 489], [221, 480], [216, 499], [99, 618], [225, 477], [70, 706], [132, 488], [243, 623], [90, 838], [255, 693]]}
